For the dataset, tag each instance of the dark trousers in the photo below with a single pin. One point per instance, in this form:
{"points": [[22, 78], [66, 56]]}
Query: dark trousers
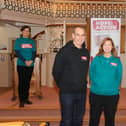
{"points": [[99, 103], [72, 109], [24, 77]]}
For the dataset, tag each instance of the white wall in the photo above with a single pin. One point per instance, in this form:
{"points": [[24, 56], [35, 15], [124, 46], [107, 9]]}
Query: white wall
{"points": [[7, 33]]}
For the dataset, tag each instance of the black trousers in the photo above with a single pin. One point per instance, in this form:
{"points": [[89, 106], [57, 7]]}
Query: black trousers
{"points": [[99, 103], [24, 77]]}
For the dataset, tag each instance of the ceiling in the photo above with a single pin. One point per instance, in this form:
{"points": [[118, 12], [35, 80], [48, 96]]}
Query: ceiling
{"points": [[91, 0], [19, 24]]}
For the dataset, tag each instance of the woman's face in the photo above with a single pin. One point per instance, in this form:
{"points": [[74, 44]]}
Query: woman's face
{"points": [[26, 33], [107, 47]]}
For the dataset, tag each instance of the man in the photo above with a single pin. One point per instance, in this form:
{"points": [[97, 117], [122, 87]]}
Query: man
{"points": [[70, 73]]}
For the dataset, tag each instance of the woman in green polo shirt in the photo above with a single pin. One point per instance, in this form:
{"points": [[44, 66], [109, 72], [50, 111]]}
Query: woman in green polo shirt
{"points": [[25, 50], [105, 75]]}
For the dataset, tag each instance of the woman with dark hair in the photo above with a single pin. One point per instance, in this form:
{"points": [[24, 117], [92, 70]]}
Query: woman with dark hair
{"points": [[105, 76], [25, 50]]}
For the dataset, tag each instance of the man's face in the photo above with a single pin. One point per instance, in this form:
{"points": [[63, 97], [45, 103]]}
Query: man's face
{"points": [[79, 36]]}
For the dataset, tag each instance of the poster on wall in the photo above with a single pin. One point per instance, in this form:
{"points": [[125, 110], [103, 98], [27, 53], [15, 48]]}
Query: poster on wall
{"points": [[104, 27]]}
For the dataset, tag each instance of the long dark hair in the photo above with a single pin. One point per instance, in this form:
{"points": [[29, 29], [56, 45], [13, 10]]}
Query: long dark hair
{"points": [[25, 27], [113, 51]]}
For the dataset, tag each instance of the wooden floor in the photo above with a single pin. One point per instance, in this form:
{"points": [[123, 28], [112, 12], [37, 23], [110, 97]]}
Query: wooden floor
{"points": [[50, 99], [48, 108]]}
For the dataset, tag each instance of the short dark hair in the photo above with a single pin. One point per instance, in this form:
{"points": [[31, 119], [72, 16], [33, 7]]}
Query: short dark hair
{"points": [[24, 27], [81, 27]]}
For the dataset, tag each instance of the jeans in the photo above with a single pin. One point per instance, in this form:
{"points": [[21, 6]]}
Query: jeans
{"points": [[72, 108]]}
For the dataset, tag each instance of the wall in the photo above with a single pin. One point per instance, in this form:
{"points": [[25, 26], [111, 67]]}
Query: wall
{"points": [[7, 33]]}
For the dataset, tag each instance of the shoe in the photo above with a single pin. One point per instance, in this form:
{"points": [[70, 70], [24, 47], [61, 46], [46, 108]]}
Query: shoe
{"points": [[21, 105], [28, 102]]}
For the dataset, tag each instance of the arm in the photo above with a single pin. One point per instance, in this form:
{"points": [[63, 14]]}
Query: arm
{"points": [[17, 50], [119, 72], [33, 51], [33, 55], [28, 63], [58, 67], [92, 70], [19, 55]]}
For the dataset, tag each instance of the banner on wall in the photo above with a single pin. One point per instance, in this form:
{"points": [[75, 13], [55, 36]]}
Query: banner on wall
{"points": [[104, 27]]}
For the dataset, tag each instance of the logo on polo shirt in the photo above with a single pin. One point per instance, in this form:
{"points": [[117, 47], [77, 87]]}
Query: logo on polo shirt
{"points": [[26, 46]]}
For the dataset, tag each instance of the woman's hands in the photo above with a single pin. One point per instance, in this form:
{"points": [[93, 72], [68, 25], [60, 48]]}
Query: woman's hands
{"points": [[28, 63]]}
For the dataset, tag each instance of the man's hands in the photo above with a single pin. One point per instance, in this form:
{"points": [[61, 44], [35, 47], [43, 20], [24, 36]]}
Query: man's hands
{"points": [[28, 63]]}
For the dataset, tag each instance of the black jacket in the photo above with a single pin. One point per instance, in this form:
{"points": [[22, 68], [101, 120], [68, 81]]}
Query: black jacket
{"points": [[70, 68]]}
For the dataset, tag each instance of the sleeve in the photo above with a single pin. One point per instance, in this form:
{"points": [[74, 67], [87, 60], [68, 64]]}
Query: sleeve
{"points": [[17, 50], [92, 70], [16, 45], [119, 72], [58, 67], [19, 55], [33, 51], [33, 55], [34, 46]]}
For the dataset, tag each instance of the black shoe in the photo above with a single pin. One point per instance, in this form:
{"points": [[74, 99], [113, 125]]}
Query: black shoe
{"points": [[21, 105], [28, 102]]}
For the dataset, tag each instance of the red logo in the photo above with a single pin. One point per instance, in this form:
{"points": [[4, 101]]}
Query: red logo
{"points": [[83, 58], [26, 46], [113, 64]]}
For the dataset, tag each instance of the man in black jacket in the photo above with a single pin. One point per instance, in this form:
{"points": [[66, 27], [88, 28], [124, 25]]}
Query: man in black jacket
{"points": [[70, 73]]}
